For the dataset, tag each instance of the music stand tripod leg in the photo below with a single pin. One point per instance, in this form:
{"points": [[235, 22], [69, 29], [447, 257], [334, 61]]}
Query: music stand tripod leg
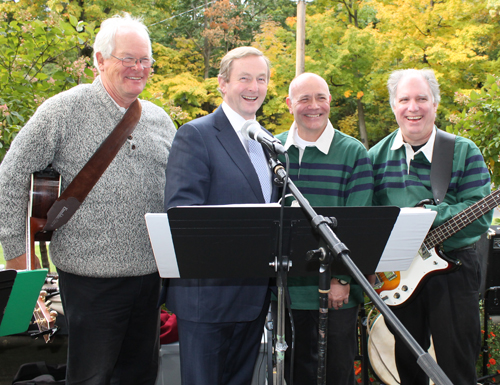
{"points": [[281, 267]]}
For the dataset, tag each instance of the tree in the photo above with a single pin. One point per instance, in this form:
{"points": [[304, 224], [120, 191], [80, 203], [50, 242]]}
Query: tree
{"points": [[38, 59], [479, 120], [195, 97], [278, 44], [453, 37], [217, 26]]}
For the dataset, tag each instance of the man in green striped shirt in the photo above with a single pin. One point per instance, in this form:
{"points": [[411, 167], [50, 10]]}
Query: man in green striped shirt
{"points": [[447, 306], [330, 168]]}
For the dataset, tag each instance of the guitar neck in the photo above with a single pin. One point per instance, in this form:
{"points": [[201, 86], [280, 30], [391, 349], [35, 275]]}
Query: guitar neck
{"points": [[462, 219]]}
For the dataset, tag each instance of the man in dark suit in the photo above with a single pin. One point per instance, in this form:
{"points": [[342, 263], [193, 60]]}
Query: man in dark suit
{"points": [[221, 320]]}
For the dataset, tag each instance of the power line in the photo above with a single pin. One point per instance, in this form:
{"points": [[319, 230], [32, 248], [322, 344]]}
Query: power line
{"points": [[180, 14]]}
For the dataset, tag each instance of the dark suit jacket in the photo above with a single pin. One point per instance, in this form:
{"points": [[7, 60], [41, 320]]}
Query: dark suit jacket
{"points": [[209, 166]]}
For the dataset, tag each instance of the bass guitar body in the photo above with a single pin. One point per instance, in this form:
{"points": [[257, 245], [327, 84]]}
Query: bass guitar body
{"points": [[397, 288]]}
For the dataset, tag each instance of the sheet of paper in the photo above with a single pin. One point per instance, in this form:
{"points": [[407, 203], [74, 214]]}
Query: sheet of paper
{"points": [[406, 237], [163, 245]]}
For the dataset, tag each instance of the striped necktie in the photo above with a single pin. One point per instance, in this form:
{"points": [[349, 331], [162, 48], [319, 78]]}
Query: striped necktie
{"points": [[259, 162]]}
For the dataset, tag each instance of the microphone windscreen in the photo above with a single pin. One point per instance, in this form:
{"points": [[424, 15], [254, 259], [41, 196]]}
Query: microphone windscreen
{"points": [[249, 129]]}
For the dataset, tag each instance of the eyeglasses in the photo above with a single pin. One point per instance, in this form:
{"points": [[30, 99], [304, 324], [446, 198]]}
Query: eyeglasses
{"points": [[132, 61]]}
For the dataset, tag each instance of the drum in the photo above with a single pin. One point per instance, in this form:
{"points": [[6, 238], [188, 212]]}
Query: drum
{"points": [[381, 350]]}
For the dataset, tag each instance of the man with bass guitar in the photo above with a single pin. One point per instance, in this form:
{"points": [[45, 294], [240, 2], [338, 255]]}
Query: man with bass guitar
{"points": [[446, 305]]}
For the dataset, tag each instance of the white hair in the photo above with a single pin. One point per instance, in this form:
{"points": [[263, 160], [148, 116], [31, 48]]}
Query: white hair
{"points": [[426, 74], [105, 39]]}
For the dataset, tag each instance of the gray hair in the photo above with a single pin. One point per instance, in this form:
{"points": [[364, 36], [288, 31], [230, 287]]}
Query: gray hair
{"points": [[105, 39], [227, 61], [426, 74]]}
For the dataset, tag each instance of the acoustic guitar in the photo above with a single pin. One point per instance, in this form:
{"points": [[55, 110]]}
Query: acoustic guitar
{"points": [[45, 188], [397, 288]]}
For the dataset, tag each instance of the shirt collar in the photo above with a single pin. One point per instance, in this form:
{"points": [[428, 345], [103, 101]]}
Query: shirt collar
{"points": [[237, 121], [323, 143], [427, 149], [122, 109], [234, 118]]}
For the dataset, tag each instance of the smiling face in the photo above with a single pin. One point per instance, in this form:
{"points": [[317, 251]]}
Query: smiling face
{"points": [[309, 102], [246, 88], [122, 83], [414, 110]]}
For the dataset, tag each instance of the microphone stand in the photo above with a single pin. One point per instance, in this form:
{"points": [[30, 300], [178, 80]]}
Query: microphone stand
{"points": [[334, 246]]}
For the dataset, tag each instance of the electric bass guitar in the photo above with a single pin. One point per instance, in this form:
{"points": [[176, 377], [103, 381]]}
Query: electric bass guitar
{"points": [[45, 189], [398, 287]]}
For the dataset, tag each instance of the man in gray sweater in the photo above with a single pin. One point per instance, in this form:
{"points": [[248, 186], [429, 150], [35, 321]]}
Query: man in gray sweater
{"points": [[107, 272]]}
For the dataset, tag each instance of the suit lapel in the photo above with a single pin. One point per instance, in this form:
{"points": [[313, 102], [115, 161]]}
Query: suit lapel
{"points": [[232, 144]]}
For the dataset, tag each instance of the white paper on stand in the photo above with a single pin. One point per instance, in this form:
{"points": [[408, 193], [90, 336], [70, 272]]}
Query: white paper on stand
{"points": [[163, 245], [406, 237]]}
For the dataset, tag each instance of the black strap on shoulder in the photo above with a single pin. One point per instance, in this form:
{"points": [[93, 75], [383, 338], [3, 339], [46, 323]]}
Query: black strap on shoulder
{"points": [[442, 164]]}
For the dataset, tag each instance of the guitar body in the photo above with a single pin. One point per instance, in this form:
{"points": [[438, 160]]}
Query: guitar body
{"points": [[401, 290], [397, 288], [45, 189]]}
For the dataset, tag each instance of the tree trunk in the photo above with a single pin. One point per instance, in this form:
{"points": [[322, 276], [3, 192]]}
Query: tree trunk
{"points": [[362, 125]]}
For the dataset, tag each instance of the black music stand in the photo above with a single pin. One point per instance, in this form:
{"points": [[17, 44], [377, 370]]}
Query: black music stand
{"points": [[246, 236], [242, 241], [7, 278]]}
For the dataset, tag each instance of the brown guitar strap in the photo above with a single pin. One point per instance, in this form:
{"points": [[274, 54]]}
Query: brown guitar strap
{"points": [[74, 195], [442, 164]]}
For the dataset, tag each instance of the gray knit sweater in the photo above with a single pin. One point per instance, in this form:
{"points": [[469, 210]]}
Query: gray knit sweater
{"points": [[107, 236]]}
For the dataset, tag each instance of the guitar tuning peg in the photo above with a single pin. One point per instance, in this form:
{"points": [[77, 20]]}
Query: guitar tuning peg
{"points": [[53, 315]]}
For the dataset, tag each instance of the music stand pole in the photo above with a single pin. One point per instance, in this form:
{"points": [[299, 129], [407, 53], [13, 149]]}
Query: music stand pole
{"points": [[281, 267], [322, 226]]}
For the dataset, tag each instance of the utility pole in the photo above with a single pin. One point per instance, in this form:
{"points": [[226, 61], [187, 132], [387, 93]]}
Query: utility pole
{"points": [[301, 37]]}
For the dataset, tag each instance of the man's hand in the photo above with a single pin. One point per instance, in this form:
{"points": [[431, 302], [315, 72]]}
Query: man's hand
{"points": [[371, 279], [19, 263], [339, 294]]}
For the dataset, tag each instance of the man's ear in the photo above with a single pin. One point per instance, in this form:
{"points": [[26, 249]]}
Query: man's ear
{"points": [[100, 60], [222, 84], [289, 104]]}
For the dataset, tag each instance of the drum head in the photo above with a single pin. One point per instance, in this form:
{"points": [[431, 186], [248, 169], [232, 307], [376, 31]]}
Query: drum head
{"points": [[381, 352]]}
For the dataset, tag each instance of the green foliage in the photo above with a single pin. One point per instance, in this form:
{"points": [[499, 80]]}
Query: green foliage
{"points": [[215, 27], [38, 59], [175, 112], [277, 43], [171, 62], [493, 349], [479, 121], [353, 44], [195, 97]]}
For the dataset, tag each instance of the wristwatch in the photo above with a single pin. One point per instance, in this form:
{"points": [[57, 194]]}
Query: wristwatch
{"points": [[342, 282]]}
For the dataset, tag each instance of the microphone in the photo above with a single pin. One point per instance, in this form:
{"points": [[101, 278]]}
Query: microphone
{"points": [[251, 130]]}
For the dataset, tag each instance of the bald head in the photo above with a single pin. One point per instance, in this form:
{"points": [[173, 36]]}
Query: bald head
{"points": [[303, 78], [309, 102]]}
